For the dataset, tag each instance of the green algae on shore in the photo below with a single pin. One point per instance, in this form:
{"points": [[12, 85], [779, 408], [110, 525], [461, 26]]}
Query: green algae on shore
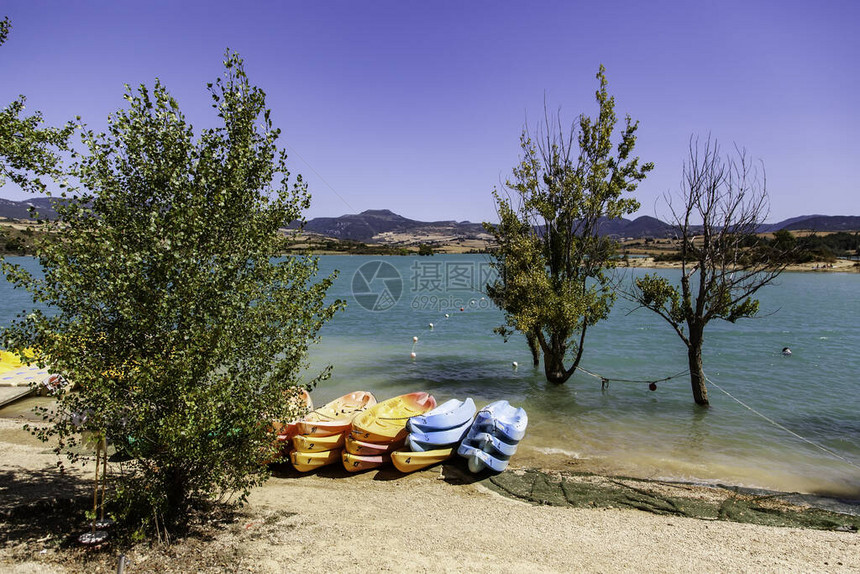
{"points": [[733, 504]]}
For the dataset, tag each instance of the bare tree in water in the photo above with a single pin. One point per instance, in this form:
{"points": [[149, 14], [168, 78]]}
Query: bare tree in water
{"points": [[723, 202]]}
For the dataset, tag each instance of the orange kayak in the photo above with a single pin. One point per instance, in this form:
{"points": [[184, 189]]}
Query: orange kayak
{"points": [[357, 462], [364, 448], [385, 422], [336, 416]]}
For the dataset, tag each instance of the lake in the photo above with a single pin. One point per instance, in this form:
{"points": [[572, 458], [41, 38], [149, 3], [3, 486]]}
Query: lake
{"points": [[797, 429]]}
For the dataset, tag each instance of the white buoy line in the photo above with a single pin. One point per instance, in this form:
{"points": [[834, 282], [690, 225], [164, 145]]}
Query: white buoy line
{"points": [[431, 326]]}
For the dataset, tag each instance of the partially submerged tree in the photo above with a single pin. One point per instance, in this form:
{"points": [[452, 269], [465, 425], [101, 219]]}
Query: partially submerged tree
{"points": [[551, 259], [29, 151], [169, 309], [723, 201]]}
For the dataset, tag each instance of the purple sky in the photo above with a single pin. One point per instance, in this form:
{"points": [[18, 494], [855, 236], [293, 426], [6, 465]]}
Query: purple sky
{"points": [[417, 107]]}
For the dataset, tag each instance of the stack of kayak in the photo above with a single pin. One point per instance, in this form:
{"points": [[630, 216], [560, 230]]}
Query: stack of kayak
{"points": [[319, 436], [493, 437], [303, 403], [409, 430], [381, 429], [434, 436]]}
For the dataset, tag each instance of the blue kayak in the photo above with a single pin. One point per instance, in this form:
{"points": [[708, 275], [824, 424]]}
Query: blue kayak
{"points": [[480, 460], [502, 420], [449, 414], [489, 443], [494, 436], [439, 437]]}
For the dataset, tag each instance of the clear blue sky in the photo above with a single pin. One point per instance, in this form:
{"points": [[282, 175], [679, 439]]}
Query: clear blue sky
{"points": [[417, 106]]}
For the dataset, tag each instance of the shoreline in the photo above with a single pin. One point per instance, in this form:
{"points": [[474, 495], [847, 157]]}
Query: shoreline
{"points": [[531, 458], [840, 266], [645, 262], [439, 519], [537, 456]]}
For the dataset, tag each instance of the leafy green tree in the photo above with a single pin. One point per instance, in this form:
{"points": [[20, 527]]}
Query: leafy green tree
{"points": [[28, 152], [783, 240], [723, 200], [184, 332], [551, 259]]}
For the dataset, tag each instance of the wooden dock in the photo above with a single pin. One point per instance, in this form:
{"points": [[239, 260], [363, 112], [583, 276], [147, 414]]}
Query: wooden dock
{"points": [[21, 382], [11, 394]]}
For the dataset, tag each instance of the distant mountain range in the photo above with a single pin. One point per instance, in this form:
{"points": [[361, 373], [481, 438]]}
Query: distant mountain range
{"points": [[385, 226], [21, 209], [381, 225]]}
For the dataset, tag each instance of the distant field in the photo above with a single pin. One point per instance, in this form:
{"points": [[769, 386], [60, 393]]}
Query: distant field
{"points": [[17, 237]]}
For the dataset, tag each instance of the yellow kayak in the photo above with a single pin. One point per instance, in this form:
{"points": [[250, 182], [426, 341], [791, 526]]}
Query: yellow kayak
{"points": [[408, 461], [307, 461], [335, 417], [385, 422], [9, 361], [305, 443]]}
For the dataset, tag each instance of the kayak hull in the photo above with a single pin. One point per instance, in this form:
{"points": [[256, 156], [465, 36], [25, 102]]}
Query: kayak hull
{"points": [[502, 420], [385, 422], [408, 461], [492, 444], [437, 438], [308, 461], [304, 443], [364, 448], [450, 414], [493, 437], [358, 463], [335, 416]]}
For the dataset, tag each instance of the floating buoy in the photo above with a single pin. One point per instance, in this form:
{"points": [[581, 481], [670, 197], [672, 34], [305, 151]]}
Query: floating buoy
{"points": [[414, 339], [446, 315], [462, 309], [515, 364], [786, 351], [431, 325], [412, 354], [652, 386]]}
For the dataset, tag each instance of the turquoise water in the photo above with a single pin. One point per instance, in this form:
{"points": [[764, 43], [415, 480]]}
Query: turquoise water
{"points": [[624, 428]]}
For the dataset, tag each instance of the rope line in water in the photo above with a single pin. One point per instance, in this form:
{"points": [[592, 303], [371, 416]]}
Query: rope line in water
{"points": [[782, 427], [604, 381]]}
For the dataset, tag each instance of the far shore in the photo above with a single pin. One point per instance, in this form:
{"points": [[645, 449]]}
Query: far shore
{"points": [[646, 262], [840, 265]]}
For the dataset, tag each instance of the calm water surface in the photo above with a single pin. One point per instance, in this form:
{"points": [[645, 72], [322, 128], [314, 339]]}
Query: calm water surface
{"points": [[625, 427]]}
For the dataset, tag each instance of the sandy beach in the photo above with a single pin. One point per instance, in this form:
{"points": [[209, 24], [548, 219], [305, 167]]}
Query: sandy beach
{"points": [[437, 520]]}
